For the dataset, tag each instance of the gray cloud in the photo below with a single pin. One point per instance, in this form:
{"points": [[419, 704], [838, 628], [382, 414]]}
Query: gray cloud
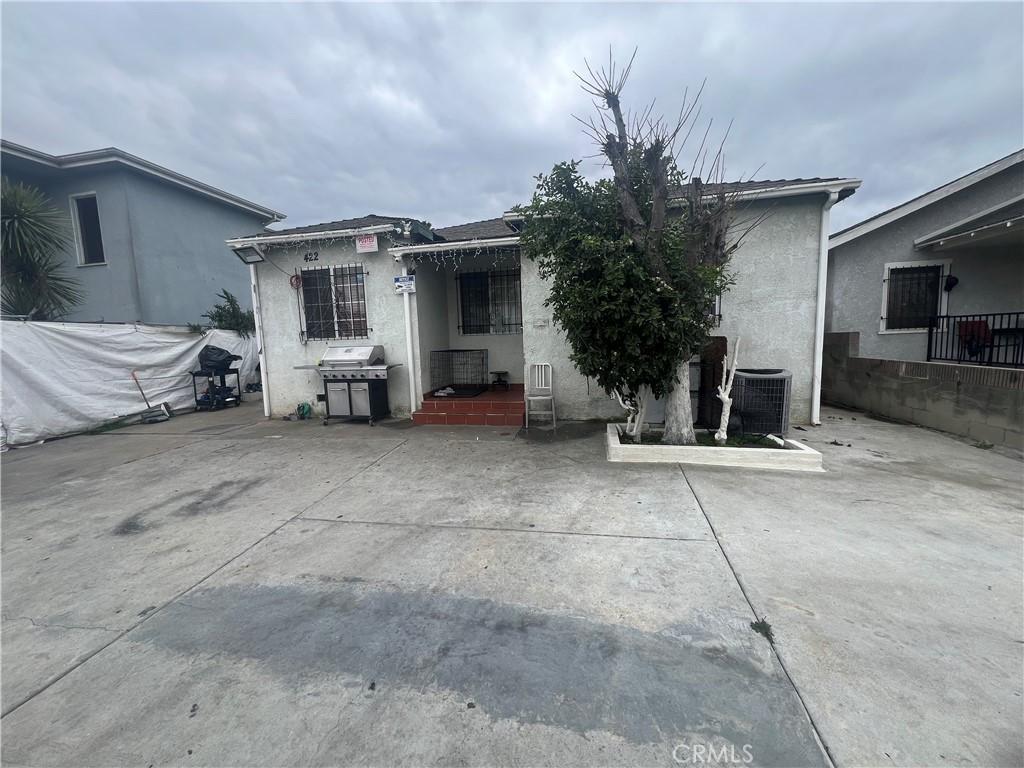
{"points": [[448, 111]]}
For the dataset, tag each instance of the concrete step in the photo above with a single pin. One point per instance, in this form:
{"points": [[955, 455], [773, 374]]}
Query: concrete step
{"points": [[469, 419]]}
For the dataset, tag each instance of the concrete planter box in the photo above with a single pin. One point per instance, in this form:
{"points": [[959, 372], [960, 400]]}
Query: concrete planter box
{"points": [[795, 456]]}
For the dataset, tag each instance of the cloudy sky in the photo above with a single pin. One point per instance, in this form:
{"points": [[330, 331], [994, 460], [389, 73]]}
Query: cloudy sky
{"points": [[446, 112]]}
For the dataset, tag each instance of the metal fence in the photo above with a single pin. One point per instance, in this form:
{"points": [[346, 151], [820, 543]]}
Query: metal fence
{"points": [[996, 339]]}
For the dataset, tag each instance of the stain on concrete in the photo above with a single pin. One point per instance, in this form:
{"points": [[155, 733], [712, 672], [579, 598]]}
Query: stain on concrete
{"points": [[131, 525], [190, 503], [213, 498], [512, 662]]}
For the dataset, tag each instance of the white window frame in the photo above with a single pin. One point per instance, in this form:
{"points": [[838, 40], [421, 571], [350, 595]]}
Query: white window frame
{"points": [[79, 245], [943, 295]]}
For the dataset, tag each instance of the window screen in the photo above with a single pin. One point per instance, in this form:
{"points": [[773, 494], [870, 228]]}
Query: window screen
{"points": [[912, 296], [490, 302], [334, 302], [88, 216]]}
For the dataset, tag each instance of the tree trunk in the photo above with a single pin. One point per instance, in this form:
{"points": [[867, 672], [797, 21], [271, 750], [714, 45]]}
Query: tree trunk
{"points": [[725, 393], [678, 410]]}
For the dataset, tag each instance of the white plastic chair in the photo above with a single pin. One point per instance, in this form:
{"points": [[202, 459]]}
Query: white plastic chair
{"points": [[540, 391]]}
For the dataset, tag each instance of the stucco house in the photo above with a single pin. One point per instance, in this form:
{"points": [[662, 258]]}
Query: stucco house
{"points": [[148, 242], [939, 277], [334, 283]]}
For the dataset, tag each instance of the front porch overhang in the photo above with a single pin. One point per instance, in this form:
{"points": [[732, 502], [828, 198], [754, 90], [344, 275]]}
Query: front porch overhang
{"points": [[1009, 231], [300, 237], [459, 246]]}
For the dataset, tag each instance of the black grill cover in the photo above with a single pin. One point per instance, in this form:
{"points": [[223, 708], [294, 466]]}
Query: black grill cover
{"points": [[215, 359]]}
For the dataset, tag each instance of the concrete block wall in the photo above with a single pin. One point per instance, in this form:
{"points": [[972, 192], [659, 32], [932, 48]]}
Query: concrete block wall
{"points": [[985, 404]]}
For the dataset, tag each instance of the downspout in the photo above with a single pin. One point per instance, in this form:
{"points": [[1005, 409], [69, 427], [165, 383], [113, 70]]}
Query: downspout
{"points": [[257, 312], [408, 347], [819, 311]]}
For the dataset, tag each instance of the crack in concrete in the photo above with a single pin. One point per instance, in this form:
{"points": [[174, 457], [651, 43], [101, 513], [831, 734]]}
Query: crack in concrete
{"points": [[47, 625], [826, 751], [121, 633], [502, 529]]}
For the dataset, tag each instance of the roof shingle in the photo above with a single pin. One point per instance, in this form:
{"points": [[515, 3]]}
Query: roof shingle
{"points": [[488, 229], [370, 220]]}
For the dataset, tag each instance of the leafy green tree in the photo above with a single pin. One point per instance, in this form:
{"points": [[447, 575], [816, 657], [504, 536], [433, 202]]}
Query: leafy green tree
{"points": [[36, 285], [229, 316], [632, 286]]}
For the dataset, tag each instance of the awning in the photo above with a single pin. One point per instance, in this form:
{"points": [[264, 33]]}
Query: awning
{"points": [[1006, 231]]}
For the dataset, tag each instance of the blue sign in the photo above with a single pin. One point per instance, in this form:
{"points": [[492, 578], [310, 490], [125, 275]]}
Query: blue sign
{"points": [[405, 284]]}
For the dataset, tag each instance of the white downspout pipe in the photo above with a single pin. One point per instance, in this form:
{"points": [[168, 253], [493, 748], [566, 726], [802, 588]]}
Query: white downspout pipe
{"points": [[411, 364], [257, 312], [819, 310]]}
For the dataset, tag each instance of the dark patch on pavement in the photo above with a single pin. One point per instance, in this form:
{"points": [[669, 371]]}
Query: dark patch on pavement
{"points": [[568, 430], [512, 662], [192, 503], [131, 525], [211, 499]]}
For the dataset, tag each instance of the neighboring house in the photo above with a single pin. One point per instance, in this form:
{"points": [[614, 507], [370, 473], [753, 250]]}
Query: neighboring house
{"points": [[148, 243], [940, 277], [333, 283]]}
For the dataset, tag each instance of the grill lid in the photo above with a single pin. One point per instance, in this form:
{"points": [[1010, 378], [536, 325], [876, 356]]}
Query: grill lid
{"points": [[352, 357]]}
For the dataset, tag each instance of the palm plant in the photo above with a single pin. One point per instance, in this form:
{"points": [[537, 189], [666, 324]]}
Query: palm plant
{"points": [[34, 232]]}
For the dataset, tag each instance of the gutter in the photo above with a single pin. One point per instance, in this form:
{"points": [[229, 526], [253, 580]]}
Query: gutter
{"points": [[305, 236], [792, 190], [819, 310]]}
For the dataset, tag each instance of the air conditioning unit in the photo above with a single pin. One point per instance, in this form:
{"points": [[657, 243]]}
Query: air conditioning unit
{"points": [[760, 397]]}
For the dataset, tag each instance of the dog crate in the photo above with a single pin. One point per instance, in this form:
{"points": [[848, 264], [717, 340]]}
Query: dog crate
{"points": [[760, 398], [458, 372]]}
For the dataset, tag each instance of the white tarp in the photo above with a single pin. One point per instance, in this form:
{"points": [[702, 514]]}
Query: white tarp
{"points": [[60, 378]]}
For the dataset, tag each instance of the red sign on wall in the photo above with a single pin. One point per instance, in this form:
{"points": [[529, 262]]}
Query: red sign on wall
{"points": [[366, 243]]}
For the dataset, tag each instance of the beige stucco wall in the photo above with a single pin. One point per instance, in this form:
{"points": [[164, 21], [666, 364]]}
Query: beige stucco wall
{"points": [[281, 324]]}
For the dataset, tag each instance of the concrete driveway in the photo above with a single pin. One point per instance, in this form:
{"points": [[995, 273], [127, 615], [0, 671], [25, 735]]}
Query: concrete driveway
{"points": [[223, 590]]}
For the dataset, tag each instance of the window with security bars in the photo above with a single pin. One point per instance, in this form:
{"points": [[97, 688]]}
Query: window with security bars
{"points": [[490, 302], [334, 302], [912, 296]]}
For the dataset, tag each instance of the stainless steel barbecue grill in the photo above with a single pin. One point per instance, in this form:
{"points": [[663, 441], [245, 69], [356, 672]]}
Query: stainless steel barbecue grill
{"points": [[353, 363], [355, 382]]}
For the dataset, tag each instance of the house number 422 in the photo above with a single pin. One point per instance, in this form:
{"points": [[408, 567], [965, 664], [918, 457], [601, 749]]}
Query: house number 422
{"points": [[312, 256]]}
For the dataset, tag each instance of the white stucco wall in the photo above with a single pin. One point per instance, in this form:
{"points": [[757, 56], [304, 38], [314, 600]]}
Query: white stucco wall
{"points": [[281, 324], [543, 342], [431, 300], [771, 306]]}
